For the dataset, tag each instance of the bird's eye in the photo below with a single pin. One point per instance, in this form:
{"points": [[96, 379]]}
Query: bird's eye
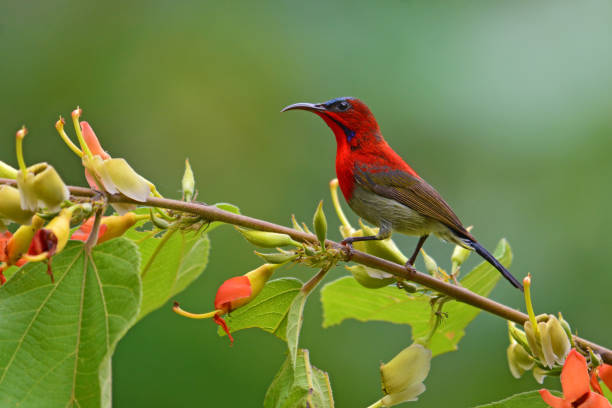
{"points": [[342, 106]]}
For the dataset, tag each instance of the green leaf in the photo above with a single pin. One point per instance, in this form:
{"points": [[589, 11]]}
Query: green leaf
{"points": [[346, 299], [169, 263], [268, 311], [531, 399], [56, 339], [295, 317], [301, 385]]}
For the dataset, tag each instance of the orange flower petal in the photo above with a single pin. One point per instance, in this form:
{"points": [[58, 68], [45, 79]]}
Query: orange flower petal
{"points": [[44, 241], [221, 322], [553, 401], [92, 141], [575, 376], [595, 400], [605, 373], [4, 239], [238, 287], [595, 382], [85, 229]]}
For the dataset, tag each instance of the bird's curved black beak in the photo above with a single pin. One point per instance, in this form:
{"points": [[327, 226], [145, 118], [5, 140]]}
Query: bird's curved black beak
{"points": [[306, 106]]}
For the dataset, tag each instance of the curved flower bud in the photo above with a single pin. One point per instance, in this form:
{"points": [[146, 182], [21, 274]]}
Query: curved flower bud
{"points": [[403, 376], [369, 277], [267, 239], [345, 228], [555, 343], [50, 240], [111, 227], [277, 258], [430, 264], [539, 374], [519, 360], [20, 242], [41, 188], [7, 171], [385, 249], [103, 172], [234, 293], [39, 185], [10, 206]]}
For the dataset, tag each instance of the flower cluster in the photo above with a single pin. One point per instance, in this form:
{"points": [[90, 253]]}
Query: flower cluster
{"points": [[543, 344], [576, 385], [40, 201], [233, 294]]}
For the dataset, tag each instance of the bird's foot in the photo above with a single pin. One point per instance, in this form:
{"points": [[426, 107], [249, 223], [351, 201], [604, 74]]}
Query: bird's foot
{"points": [[348, 245]]}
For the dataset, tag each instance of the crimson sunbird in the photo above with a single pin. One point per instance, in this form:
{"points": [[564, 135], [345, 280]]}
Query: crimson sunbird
{"points": [[383, 189]]}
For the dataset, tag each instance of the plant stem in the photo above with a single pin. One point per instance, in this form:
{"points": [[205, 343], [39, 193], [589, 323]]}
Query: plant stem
{"points": [[459, 293]]}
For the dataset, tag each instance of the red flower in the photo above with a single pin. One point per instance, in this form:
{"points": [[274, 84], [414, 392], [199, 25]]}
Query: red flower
{"points": [[82, 234], [605, 373], [5, 256], [575, 383], [232, 294], [110, 227], [4, 239]]}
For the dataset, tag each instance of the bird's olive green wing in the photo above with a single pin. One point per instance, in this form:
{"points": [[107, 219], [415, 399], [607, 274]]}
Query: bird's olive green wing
{"points": [[410, 191]]}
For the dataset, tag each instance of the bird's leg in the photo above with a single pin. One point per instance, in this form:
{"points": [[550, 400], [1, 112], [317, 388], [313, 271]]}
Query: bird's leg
{"points": [[416, 250], [384, 232]]}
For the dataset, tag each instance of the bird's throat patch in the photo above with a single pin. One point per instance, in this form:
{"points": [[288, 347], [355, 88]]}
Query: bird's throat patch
{"points": [[350, 134]]}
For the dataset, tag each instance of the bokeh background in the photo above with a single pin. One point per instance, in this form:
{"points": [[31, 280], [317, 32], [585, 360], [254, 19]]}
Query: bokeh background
{"points": [[504, 106]]}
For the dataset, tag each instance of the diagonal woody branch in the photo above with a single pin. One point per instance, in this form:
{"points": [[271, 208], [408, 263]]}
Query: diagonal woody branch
{"points": [[458, 293]]}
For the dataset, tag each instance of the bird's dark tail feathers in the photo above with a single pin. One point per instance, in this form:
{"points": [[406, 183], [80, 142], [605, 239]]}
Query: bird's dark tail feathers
{"points": [[480, 250]]}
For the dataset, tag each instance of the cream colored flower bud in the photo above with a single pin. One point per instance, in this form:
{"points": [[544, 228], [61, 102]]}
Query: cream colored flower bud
{"points": [[117, 176], [519, 360], [10, 206], [533, 340], [385, 249], [555, 343], [7, 171], [459, 256], [369, 277], [42, 187], [403, 376], [430, 264], [539, 374]]}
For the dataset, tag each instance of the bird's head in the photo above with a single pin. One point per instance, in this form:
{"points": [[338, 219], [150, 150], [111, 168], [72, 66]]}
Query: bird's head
{"points": [[350, 119]]}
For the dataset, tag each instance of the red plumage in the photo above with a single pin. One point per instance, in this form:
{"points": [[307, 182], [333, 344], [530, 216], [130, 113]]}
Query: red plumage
{"points": [[382, 188]]}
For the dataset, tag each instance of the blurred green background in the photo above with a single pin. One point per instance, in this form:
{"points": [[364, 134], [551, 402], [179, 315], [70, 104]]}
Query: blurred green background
{"points": [[504, 106]]}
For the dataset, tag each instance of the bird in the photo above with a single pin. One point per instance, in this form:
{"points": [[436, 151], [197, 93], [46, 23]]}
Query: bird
{"points": [[383, 189]]}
